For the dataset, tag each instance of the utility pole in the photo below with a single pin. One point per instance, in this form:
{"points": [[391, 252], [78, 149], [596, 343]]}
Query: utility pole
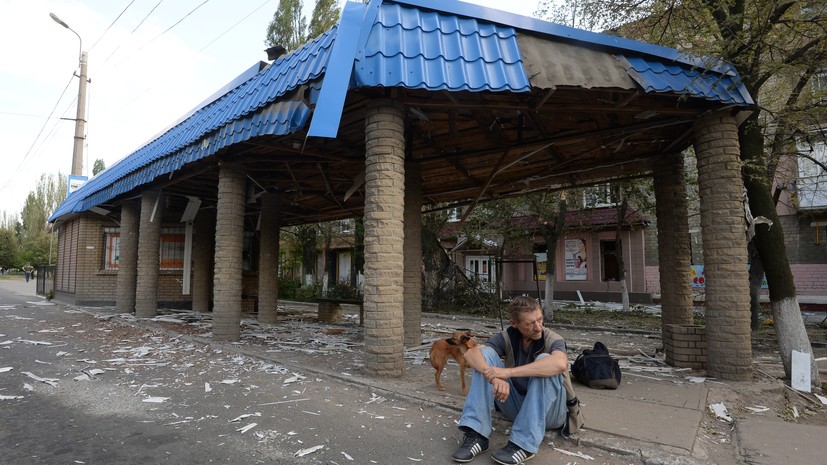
{"points": [[80, 119]]}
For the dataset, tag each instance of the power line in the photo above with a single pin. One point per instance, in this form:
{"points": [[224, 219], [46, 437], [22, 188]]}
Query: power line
{"points": [[111, 24], [31, 148], [176, 23], [234, 25]]}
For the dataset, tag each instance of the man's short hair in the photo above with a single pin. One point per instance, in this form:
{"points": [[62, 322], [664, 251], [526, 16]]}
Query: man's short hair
{"points": [[521, 305]]}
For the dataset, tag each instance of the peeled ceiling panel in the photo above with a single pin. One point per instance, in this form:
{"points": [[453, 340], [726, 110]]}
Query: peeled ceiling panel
{"points": [[552, 64]]}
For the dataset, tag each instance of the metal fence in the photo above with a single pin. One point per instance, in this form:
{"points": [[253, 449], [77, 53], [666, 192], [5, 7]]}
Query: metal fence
{"points": [[45, 279]]}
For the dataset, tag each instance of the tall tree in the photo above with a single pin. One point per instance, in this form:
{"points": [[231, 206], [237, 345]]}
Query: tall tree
{"points": [[778, 47], [49, 192], [99, 166], [325, 15], [288, 26], [8, 248]]}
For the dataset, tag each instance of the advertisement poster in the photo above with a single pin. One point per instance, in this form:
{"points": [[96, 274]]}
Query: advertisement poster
{"points": [[698, 277], [540, 261], [576, 265], [75, 182]]}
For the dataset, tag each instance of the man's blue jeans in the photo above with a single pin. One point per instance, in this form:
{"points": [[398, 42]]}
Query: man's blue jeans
{"points": [[542, 408]]}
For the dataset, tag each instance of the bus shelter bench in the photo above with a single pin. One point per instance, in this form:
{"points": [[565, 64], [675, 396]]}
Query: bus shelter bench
{"points": [[330, 309]]}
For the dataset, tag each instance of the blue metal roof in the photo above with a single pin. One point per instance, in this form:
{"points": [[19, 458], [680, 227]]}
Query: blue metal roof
{"points": [[413, 48], [657, 76], [421, 44], [249, 110]]}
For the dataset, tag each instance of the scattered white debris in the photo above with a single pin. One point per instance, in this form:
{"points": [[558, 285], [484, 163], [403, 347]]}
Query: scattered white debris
{"points": [[229, 381], [574, 454], [244, 429], [207, 387], [415, 460], [5, 369], [821, 398], [141, 351], [347, 456], [795, 412], [283, 402], [293, 379], [28, 387], [83, 377], [246, 415], [50, 381], [10, 397], [758, 409], [156, 400], [696, 379], [309, 450], [35, 343], [61, 354], [720, 411], [94, 371]]}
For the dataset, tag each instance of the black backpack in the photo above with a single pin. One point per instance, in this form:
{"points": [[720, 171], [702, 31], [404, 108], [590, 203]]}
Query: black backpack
{"points": [[596, 368]]}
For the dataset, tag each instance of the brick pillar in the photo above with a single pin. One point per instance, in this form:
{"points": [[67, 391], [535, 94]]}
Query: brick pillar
{"points": [[229, 247], [413, 256], [149, 254], [203, 257], [685, 346], [729, 354], [674, 251], [384, 233], [268, 259], [128, 257]]}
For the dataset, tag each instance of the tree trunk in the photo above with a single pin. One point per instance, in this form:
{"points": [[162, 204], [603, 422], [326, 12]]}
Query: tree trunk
{"points": [[769, 242], [621, 263], [548, 308]]}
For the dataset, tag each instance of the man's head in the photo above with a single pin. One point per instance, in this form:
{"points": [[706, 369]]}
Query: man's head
{"points": [[526, 316]]}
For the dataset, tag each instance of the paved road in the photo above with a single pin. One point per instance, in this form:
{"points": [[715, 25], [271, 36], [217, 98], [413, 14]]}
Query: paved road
{"points": [[109, 393]]}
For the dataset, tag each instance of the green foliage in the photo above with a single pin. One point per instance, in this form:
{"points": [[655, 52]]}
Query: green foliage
{"points": [[288, 26], [325, 15], [288, 287], [36, 250], [455, 293], [343, 290], [34, 231], [98, 166], [8, 248]]}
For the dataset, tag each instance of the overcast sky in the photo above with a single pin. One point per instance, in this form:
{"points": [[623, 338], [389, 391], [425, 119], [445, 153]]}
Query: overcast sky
{"points": [[146, 72]]}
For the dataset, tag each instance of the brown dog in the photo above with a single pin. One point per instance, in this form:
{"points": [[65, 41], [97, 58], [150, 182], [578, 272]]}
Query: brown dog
{"points": [[455, 346]]}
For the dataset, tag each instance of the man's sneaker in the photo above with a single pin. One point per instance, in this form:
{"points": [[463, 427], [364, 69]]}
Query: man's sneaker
{"points": [[472, 445], [512, 454]]}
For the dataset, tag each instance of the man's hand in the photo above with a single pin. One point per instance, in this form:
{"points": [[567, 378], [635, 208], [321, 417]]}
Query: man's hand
{"points": [[501, 389], [490, 373]]}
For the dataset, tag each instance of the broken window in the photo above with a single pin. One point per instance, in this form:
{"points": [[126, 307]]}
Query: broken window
{"points": [[609, 264]]}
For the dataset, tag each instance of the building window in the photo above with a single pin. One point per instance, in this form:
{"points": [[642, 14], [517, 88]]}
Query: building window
{"points": [[112, 248], [480, 268], [171, 254], [610, 266], [604, 195], [172, 249]]}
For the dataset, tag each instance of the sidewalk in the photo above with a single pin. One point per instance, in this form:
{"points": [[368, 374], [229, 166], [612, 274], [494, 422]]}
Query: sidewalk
{"points": [[659, 415]]}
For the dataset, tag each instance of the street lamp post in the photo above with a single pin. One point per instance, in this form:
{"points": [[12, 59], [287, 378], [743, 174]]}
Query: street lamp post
{"points": [[80, 120]]}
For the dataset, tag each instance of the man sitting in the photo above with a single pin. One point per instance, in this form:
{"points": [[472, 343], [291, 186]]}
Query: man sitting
{"points": [[518, 370]]}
